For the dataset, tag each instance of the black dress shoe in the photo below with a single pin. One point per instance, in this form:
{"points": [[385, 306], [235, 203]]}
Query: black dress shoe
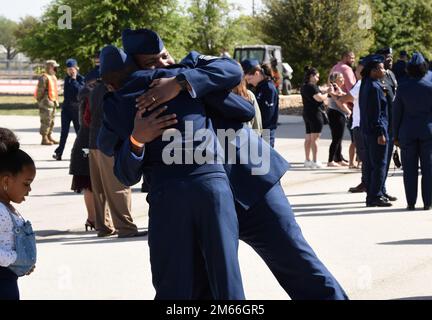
{"points": [[381, 202], [389, 197], [134, 235], [410, 207], [426, 208], [56, 157], [360, 188]]}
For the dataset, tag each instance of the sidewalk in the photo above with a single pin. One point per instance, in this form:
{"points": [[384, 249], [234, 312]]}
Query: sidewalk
{"points": [[374, 253]]}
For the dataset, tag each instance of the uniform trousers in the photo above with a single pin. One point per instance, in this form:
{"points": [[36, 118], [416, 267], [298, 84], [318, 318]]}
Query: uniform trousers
{"points": [[68, 115], [411, 152], [193, 238], [269, 136], [376, 167], [270, 228], [47, 111], [390, 143], [112, 199]]}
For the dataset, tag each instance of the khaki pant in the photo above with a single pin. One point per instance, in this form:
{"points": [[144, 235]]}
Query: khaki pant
{"points": [[47, 111], [112, 199]]}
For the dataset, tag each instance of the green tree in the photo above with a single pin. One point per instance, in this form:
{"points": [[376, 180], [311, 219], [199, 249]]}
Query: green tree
{"points": [[243, 30], [208, 18], [217, 26], [24, 34], [403, 25], [98, 23], [7, 37], [315, 32]]}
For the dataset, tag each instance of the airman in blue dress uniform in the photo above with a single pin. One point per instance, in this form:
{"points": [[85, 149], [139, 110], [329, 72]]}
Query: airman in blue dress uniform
{"points": [[412, 124], [389, 85], [73, 83], [374, 126], [265, 217], [399, 68], [192, 217]]}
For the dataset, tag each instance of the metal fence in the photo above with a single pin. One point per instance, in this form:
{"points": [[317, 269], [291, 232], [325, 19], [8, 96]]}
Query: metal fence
{"points": [[18, 70]]}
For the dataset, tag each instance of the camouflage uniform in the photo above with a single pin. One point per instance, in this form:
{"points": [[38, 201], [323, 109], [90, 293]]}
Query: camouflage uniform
{"points": [[47, 108]]}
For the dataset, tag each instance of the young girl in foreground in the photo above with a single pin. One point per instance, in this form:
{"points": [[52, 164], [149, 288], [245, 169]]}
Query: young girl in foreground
{"points": [[17, 245]]}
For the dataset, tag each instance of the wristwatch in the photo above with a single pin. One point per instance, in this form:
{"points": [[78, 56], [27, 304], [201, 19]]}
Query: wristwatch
{"points": [[183, 83]]}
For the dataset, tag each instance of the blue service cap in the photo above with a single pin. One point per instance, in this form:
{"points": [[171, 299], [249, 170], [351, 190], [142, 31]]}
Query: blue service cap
{"points": [[385, 51], [372, 58], [71, 63], [141, 41], [112, 59], [417, 59], [249, 64]]}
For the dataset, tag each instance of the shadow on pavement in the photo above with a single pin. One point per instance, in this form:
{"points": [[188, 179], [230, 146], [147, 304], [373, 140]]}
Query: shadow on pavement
{"points": [[52, 168], [324, 170], [314, 194], [81, 237], [325, 208], [408, 242], [27, 130], [415, 298], [347, 213], [55, 194], [53, 160], [341, 171], [324, 204]]}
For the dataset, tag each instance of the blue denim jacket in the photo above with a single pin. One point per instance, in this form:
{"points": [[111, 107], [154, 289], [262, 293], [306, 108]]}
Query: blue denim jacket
{"points": [[25, 246]]}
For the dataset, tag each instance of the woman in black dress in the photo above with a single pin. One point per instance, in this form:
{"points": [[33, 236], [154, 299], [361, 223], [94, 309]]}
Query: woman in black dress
{"points": [[79, 165]]}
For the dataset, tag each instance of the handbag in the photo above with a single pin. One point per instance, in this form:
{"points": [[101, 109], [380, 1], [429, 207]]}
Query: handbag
{"points": [[25, 247], [396, 158], [324, 115]]}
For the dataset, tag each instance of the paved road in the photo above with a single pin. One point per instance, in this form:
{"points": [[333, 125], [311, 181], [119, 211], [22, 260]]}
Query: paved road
{"points": [[374, 253]]}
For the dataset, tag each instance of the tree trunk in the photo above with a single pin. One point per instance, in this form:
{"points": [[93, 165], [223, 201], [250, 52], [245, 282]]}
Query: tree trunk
{"points": [[10, 54]]}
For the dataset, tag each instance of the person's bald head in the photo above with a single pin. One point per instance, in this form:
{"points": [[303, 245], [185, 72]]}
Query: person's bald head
{"points": [[348, 57]]}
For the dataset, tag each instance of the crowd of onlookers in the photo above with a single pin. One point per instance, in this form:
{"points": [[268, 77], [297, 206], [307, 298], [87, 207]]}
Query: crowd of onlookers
{"points": [[108, 202], [383, 105], [321, 107]]}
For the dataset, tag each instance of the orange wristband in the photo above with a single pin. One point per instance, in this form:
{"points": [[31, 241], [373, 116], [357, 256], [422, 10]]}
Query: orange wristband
{"points": [[135, 142]]}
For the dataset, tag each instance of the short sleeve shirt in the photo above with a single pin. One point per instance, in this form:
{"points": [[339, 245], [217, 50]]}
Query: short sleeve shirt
{"points": [[310, 105], [355, 92]]}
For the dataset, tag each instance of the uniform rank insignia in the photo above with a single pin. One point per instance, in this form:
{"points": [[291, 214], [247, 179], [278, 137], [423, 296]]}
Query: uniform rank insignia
{"points": [[207, 58]]}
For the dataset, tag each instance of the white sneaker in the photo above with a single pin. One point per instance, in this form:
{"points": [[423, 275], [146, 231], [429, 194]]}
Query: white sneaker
{"points": [[317, 165], [308, 164]]}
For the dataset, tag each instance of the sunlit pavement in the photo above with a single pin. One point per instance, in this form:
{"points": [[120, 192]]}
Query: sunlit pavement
{"points": [[375, 253]]}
